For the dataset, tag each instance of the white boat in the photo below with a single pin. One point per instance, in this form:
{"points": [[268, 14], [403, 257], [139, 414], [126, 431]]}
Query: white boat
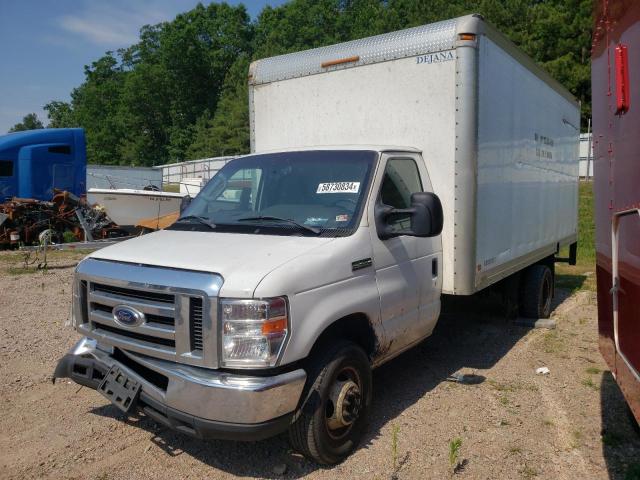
{"points": [[127, 207]]}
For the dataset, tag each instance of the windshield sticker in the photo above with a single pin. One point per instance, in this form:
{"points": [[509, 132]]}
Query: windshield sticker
{"points": [[342, 218], [315, 221], [339, 187]]}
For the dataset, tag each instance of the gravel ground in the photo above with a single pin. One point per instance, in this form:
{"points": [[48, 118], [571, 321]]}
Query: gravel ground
{"points": [[515, 424]]}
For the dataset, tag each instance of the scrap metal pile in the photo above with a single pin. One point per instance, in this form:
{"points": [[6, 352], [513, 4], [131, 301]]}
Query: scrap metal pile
{"points": [[66, 216]]}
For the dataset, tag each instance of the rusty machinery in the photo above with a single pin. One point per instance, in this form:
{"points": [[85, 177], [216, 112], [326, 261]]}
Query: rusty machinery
{"points": [[67, 216]]}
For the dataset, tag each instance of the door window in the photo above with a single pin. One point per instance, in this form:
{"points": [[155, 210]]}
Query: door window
{"points": [[401, 180]]}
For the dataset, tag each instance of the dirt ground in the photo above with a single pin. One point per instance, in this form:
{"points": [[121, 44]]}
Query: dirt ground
{"points": [[570, 424]]}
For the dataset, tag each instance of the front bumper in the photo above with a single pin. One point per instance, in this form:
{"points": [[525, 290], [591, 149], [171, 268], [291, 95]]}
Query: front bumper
{"points": [[199, 402]]}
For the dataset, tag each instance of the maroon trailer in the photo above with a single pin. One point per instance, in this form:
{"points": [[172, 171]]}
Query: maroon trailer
{"points": [[615, 86]]}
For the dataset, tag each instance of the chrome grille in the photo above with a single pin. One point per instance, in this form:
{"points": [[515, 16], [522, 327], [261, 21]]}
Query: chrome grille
{"points": [[177, 323], [158, 330], [195, 321]]}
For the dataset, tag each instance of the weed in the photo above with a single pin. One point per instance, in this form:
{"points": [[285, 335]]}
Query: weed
{"points": [[548, 423], [514, 450], [551, 342], [593, 370], [512, 387], [394, 446], [504, 423], [69, 237], [576, 439], [528, 472], [22, 270], [454, 453], [588, 382], [504, 400]]}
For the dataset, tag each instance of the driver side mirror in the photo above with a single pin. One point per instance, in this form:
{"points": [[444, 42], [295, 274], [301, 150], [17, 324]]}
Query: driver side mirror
{"points": [[425, 215]]}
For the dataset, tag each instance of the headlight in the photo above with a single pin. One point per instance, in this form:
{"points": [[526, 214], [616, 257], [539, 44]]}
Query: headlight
{"points": [[253, 331]]}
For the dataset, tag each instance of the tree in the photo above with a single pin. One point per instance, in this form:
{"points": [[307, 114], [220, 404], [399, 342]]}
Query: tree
{"points": [[181, 91], [29, 122], [226, 133], [60, 114]]}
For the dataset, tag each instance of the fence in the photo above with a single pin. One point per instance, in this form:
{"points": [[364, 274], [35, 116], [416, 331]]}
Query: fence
{"points": [[204, 168]]}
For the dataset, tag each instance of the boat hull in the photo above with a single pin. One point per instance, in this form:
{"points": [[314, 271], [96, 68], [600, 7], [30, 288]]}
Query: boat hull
{"points": [[127, 207]]}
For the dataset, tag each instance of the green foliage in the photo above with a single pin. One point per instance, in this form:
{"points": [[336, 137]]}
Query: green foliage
{"points": [[60, 115], [29, 122], [454, 452], [181, 92], [586, 225]]}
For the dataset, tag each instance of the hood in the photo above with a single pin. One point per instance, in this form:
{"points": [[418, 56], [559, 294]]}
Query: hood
{"points": [[242, 260]]}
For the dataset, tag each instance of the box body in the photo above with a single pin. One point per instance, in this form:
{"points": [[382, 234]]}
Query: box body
{"points": [[498, 135]]}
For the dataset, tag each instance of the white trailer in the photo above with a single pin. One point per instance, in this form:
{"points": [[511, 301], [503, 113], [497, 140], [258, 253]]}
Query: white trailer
{"points": [[500, 137]]}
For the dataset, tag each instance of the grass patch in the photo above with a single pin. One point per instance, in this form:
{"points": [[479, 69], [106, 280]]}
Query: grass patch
{"points": [[588, 382], [171, 187], [394, 446], [551, 342], [514, 450], [512, 386], [13, 262], [576, 439], [586, 225], [593, 370], [23, 270], [528, 472], [582, 275]]}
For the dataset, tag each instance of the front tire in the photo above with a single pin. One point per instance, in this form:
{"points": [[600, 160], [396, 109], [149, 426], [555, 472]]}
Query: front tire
{"points": [[336, 402]]}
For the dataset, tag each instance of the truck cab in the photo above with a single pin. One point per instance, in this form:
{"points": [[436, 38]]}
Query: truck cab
{"points": [[315, 255], [34, 163]]}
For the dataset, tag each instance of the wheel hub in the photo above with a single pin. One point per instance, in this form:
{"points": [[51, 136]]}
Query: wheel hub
{"points": [[345, 397]]}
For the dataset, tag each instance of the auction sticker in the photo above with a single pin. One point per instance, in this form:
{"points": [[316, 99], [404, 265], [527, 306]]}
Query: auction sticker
{"points": [[339, 187]]}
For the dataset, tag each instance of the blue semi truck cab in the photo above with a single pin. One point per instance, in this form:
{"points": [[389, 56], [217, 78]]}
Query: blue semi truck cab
{"points": [[35, 162]]}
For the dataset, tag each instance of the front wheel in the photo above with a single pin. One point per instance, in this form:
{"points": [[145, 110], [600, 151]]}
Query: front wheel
{"points": [[336, 403]]}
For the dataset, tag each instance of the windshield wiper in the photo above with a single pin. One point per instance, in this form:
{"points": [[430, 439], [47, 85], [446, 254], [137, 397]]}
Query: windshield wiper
{"points": [[280, 219], [202, 220]]}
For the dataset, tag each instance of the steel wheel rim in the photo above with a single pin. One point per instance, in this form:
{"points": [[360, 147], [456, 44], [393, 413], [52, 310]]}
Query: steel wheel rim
{"points": [[344, 403]]}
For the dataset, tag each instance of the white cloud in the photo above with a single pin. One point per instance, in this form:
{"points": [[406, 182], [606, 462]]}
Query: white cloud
{"points": [[113, 24]]}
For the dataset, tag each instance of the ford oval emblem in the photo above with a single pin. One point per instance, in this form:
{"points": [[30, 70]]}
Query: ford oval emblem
{"points": [[127, 316]]}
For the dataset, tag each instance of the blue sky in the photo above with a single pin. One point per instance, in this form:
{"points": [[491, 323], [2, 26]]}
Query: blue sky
{"points": [[45, 44]]}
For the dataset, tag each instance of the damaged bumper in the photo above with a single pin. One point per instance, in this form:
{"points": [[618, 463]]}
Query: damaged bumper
{"points": [[199, 402]]}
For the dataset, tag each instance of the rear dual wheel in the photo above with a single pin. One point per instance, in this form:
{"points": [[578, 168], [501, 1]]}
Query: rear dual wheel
{"points": [[536, 292], [336, 403]]}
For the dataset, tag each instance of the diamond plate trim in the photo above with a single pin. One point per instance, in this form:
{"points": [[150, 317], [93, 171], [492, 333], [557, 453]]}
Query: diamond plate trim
{"points": [[430, 38]]}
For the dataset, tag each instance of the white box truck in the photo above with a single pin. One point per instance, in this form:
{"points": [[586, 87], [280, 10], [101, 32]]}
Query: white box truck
{"points": [[385, 173]]}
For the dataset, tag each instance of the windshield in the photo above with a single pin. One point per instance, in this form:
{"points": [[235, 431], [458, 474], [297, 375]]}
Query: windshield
{"points": [[302, 193]]}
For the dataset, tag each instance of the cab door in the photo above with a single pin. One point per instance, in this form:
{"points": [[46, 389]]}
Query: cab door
{"points": [[408, 269]]}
